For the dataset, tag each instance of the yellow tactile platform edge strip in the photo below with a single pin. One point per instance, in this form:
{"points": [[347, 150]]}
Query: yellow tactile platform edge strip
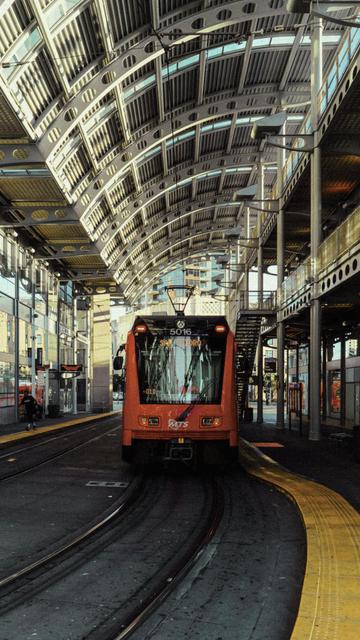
{"points": [[20, 435], [330, 600]]}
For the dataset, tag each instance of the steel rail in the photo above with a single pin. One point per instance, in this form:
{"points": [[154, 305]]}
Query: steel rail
{"points": [[125, 502], [167, 584], [53, 457]]}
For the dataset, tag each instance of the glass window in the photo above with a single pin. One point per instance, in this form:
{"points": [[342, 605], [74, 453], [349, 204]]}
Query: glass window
{"points": [[53, 285], [40, 290], [66, 316], [180, 369], [7, 384], [7, 266], [25, 338], [352, 348], [7, 332], [24, 379], [6, 304], [52, 350], [334, 392]]}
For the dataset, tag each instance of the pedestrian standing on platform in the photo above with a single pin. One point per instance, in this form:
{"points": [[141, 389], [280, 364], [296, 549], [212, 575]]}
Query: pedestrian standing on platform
{"points": [[29, 403]]}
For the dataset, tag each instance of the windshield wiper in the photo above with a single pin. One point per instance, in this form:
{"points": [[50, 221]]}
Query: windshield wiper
{"points": [[191, 368], [184, 414]]}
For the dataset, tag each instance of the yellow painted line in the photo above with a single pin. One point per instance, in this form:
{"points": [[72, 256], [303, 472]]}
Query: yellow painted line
{"points": [[20, 435], [268, 445], [329, 606]]}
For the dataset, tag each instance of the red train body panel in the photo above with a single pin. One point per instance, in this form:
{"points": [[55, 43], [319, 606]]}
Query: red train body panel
{"points": [[180, 387]]}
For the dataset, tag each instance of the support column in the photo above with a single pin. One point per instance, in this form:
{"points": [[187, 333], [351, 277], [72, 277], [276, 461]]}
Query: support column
{"points": [[342, 380], [101, 383], [260, 288], [245, 253], [17, 341], [75, 358], [315, 234], [280, 327], [297, 363], [324, 378]]}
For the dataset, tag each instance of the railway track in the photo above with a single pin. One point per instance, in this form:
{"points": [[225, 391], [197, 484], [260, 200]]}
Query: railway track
{"points": [[19, 456], [155, 498]]}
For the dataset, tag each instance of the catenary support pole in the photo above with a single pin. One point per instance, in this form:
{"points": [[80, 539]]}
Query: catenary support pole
{"points": [[280, 329], [260, 288], [315, 233], [342, 380]]}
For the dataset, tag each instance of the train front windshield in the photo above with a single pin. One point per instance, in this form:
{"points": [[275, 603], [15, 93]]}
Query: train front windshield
{"points": [[180, 369]]}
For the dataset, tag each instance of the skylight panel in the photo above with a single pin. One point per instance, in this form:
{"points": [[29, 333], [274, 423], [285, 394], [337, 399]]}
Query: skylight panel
{"points": [[261, 42]]}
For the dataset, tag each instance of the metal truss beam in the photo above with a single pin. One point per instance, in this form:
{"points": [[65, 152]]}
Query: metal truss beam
{"points": [[19, 154], [161, 262], [179, 214], [149, 51], [86, 249], [37, 215], [164, 187]]}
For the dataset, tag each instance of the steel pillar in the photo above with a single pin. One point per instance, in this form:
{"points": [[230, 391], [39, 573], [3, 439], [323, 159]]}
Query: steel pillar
{"points": [[280, 328], [101, 354], [342, 380], [324, 378], [315, 234], [75, 358], [260, 287]]}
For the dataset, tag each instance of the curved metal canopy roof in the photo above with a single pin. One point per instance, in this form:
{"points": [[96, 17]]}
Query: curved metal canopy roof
{"points": [[125, 126]]}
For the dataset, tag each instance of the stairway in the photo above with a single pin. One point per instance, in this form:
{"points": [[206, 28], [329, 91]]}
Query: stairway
{"points": [[246, 337]]}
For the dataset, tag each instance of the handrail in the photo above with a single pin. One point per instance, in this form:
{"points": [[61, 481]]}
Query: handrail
{"points": [[257, 300], [295, 282], [338, 243], [347, 49]]}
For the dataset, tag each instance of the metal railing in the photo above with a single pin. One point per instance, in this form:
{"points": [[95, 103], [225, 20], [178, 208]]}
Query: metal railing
{"points": [[340, 241], [331, 250], [347, 50], [257, 301], [296, 282]]}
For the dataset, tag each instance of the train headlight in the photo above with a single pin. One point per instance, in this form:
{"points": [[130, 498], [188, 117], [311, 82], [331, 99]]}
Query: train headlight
{"points": [[210, 421], [143, 421]]}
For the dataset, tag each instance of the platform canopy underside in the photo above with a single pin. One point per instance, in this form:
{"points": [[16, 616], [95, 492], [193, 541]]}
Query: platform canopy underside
{"points": [[125, 128]]}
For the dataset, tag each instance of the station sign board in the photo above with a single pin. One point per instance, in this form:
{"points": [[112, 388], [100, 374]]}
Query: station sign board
{"points": [[70, 370], [270, 365]]}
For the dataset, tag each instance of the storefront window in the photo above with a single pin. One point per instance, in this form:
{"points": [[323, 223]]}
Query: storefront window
{"points": [[24, 338], [7, 384], [40, 290], [52, 351], [7, 266], [352, 348], [24, 379], [333, 351], [66, 316], [7, 332], [334, 392], [53, 286]]}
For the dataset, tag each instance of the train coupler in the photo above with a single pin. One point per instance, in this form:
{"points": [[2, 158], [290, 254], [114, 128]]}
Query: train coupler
{"points": [[179, 451]]}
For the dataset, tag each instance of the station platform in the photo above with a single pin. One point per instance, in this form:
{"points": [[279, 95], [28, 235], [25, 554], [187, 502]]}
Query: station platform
{"points": [[322, 479], [18, 431], [330, 461]]}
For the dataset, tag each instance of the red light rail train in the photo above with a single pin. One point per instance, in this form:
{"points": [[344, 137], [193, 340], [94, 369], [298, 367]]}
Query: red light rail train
{"points": [[180, 393]]}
